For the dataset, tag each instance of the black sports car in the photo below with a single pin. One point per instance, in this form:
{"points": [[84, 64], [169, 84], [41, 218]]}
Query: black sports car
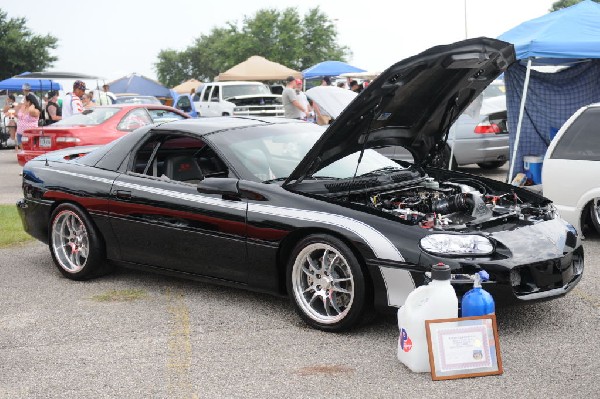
{"points": [[287, 207]]}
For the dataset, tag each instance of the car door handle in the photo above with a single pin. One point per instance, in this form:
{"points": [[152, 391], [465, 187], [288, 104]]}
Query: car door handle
{"points": [[123, 194]]}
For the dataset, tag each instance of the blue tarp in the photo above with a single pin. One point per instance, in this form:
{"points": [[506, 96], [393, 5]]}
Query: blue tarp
{"points": [[572, 32], [139, 84], [551, 99], [558, 38], [329, 68], [15, 84]]}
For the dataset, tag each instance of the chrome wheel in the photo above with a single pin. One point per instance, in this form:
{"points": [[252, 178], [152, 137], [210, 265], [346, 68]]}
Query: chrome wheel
{"points": [[323, 283], [70, 241]]}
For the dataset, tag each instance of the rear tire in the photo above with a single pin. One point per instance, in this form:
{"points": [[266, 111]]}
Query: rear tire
{"points": [[327, 284], [491, 164], [76, 245]]}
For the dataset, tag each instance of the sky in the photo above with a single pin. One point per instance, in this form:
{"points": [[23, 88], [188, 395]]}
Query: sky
{"points": [[114, 38]]}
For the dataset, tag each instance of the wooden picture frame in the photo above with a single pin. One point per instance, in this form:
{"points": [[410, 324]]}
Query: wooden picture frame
{"points": [[463, 347]]}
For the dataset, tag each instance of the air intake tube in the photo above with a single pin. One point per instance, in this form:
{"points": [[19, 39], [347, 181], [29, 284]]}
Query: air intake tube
{"points": [[453, 203]]}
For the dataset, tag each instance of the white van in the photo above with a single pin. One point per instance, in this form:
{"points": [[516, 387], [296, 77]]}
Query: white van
{"points": [[237, 98]]}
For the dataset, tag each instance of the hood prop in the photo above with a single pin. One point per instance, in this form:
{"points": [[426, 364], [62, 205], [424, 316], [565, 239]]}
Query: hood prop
{"points": [[364, 147], [442, 142]]}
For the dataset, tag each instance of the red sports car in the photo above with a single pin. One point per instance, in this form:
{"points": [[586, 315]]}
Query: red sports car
{"points": [[95, 126]]}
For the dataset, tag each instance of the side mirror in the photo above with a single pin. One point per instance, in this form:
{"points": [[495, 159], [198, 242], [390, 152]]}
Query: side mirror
{"points": [[224, 186]]}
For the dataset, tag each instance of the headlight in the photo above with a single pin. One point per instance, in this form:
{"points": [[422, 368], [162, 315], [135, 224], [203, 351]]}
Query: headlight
{"points": [[241, 109], [456, 244], [24, 139], [67, 139]]}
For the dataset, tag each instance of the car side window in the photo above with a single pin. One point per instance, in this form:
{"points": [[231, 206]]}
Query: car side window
{"points": [[581, 141], [163, 115], [206, 95], [215, 94], [179, 157], [135, 119]]}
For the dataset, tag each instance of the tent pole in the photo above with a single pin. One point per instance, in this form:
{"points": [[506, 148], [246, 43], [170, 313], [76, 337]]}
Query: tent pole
{"points": [[519, 123]]}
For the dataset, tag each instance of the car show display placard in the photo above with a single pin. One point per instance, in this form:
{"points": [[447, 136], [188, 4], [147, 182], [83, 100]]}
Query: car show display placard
{"points": [[463, 347]]}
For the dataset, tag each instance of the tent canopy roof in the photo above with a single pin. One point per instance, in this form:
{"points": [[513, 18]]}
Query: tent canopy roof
{"points": [[139, 84], [187, 86], [258, 68], [329, 68], [15, 84], [572, 32]]}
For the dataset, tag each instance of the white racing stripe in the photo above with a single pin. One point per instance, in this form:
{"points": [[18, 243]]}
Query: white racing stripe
{"points": [[398, 282]]}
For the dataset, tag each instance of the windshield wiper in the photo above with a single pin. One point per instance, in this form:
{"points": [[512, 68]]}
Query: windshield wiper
{"points": [[307, 178]]}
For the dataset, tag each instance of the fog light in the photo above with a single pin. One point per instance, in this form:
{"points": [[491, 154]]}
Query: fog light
{"points": [[577, 265], [515, 278]]}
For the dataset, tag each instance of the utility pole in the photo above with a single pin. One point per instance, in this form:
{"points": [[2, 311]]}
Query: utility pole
{"points": [[466, 35]]}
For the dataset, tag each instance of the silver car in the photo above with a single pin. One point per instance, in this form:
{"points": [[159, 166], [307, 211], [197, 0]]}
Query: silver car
{"points": [[479, 135]]}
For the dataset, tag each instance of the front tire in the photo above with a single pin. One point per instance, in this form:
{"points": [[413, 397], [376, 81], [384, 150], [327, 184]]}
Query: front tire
{"points": [[75, 244], [326, 284], [491, 164], [595, 213]]}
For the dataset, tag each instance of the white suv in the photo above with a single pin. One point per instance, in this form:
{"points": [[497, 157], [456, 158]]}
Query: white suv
{"points": [[237, 98], [571, 169]]}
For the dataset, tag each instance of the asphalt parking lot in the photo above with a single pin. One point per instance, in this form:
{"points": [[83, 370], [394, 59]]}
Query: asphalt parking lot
{"points": [[139, 335]]}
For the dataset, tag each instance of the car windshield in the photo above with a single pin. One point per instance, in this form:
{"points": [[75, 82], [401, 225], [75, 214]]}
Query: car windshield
{"points": [[89, 117], [245, 90], [273, 152], [138, 100], [494, 90]]}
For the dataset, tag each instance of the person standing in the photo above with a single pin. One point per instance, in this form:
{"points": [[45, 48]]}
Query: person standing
{"points": [[303, 101], [326, 81], [291, 106], [53, 111], [9, 112], [105, 97], [86, 100], [28, 115], [72, 104]]}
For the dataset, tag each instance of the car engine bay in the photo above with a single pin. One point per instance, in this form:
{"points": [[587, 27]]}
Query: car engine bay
{"points": [[454, 203]]}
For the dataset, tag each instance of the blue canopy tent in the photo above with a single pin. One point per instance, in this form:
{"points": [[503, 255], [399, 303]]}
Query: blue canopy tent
{"points": [[37, 85], [329, 68], [564, 37], [139, 84]]}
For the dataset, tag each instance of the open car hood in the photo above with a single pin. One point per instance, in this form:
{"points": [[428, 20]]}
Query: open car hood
{"points": [[412, 104]]}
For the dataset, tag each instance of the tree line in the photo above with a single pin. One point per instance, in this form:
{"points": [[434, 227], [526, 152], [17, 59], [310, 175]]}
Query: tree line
{"points": [[297, 42]]}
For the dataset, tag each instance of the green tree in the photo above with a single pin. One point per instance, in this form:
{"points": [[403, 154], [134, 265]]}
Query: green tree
{"points": [[21, 50], [286, 37], [557, 5]]}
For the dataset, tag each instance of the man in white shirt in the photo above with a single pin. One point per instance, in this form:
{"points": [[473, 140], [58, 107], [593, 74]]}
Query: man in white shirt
{"points": [[72, 104]]}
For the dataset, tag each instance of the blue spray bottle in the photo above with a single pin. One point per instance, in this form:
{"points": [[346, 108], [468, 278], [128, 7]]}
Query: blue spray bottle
{"points": [[477, 301]]}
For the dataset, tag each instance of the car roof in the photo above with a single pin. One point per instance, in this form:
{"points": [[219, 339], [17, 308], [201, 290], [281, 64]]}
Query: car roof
{"points": [[130, 105], [204, 126]]}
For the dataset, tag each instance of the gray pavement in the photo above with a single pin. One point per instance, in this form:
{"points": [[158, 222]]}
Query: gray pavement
{"points": [[183, 339]]}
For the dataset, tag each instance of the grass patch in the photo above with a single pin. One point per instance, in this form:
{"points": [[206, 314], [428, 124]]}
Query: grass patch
{"points": [[120, 296], [11, 228]]}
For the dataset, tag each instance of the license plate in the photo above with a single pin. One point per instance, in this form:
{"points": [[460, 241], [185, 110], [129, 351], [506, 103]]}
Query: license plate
{"points": [[45, 142]]}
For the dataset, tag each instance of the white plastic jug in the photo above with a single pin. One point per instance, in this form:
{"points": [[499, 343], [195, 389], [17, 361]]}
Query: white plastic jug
{"points": [[437, 300]]}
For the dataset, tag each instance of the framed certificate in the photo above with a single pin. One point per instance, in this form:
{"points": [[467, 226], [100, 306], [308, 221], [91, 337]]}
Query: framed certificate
{"points": [[463, 347]]}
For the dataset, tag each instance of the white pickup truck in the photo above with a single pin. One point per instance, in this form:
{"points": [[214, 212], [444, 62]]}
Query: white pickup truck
{"points": [[237, 98]]}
